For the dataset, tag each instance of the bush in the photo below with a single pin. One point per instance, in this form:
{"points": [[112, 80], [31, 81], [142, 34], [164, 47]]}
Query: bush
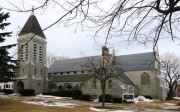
{"points": [[1, 90], [108, 98], [8, 91], [76, 94], [148, 97], [27, 92], [63, 93], [85, 97], [117, 100], [46, 93]]}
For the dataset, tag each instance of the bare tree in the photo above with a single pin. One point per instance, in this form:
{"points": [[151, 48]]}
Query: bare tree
{"points": [[101, 70], [142, 21], [51, 58], [170, 68]]}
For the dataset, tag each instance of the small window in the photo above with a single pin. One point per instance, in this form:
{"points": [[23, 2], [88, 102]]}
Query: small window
{"points": [[7, 86], [94, 84], [110, 84], [35, 71], [38, 84], [82, 71], [55, 73], [75, 72], [41, 71], [81, 85], [61, 73], [23, 70], [67, 72]]}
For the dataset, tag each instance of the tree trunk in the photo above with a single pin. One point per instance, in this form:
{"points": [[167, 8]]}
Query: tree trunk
{"points": [[103, 94], [170, 94]]}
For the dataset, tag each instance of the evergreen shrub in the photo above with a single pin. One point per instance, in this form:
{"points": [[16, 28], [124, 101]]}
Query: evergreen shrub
{"points": [[76, 94], [86, 97], [117, 100], [108, 98], [8, 91], [27, 92]]}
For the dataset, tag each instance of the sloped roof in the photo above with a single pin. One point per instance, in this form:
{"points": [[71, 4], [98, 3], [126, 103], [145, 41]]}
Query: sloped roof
{"points": [[69, 78], [32, 26], [122, 75], [132, 62], [71, 65]]}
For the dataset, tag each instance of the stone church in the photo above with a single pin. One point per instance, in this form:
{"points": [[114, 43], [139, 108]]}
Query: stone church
{"points": [[32, 69], [137, 74]]}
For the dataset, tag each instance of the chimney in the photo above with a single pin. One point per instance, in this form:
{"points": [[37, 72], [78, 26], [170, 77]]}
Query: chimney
{"points": [[105, 53]]}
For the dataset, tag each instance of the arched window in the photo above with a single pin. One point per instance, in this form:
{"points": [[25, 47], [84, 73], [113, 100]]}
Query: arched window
{"points": [[94, 84], [35, 51], [110, 84], [145, 79], [81, 85], [68, 86], [40, 54]]}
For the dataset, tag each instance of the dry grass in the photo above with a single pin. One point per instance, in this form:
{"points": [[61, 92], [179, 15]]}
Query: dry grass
{"points": [[154, 105], [10, 105]]}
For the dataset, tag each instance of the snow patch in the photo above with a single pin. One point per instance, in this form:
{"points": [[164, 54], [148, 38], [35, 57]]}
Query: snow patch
{"points": [[108, 110], [176, 98], [142, 99], [51, 104], [98, 110]]}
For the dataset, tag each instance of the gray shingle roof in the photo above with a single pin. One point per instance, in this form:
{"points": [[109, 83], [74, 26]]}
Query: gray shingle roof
{"points": [[70, 65], [134, 62], [142, 61], [122, 75], [32, 26], [69, 78]]}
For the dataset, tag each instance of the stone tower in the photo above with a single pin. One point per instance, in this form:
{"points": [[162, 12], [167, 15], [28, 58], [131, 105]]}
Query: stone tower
{"points": [[32, 69]]}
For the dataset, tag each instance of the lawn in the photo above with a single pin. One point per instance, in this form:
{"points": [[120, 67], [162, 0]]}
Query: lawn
{"points": [[15, 103], [11, 105]]}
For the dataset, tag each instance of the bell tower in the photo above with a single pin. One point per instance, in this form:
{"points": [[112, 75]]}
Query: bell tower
{"points": [[32, 69]]}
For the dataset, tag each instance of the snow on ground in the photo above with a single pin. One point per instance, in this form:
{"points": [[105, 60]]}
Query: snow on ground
{"points": [[142, 99], [170, 106], [107, 110], [48, 96], [57, 104], [176, 98]]}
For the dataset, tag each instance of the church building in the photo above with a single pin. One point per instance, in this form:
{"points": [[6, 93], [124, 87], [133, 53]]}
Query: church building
{"points": [[137, 74], [32, 69]]}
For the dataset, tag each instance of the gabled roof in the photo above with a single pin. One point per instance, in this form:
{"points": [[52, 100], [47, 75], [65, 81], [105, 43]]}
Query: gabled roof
{"points": [[135, 62], [141, 61], [32, 26]]}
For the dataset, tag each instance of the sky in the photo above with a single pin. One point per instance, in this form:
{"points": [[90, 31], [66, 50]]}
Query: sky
{"points": [[66, 41]]}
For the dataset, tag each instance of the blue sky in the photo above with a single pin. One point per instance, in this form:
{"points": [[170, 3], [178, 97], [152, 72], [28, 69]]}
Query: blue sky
{"points": [[66, 41]]}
